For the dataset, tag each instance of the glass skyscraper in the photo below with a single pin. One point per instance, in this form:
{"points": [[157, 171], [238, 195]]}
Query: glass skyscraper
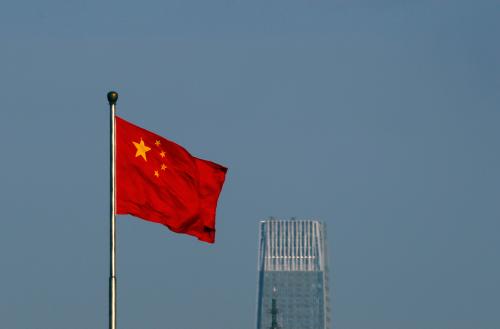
{"points": [[293, 275]]}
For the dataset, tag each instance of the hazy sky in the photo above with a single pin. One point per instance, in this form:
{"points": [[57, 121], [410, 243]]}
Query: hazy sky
{"points": [[380, 118]]}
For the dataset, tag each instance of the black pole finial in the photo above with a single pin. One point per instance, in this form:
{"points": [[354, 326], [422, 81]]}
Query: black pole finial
{"points": [[112, 97], [274, 310]]}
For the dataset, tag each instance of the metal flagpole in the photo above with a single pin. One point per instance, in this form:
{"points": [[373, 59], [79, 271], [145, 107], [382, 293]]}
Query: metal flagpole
{"points": [[112, 98]]}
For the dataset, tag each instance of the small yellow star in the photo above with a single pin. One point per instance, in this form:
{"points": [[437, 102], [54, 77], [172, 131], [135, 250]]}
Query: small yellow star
{"points": [[141, 149], [157, 174], [162, 153], [157, 143], [163, 166]]}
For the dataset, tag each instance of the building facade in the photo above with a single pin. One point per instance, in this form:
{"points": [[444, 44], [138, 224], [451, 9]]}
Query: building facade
{"points": [[293, 275]]}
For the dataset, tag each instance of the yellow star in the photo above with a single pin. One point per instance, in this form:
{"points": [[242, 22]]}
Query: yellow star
{"points": [[157, 143], [163, 166], [141, 149], [157, 174], [162, 153]]}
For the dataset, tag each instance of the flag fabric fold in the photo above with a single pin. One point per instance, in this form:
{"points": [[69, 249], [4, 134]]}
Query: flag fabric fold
{"points": [[160, 181]]}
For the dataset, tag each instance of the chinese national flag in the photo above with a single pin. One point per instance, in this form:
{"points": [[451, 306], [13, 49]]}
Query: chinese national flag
{"points": [[159, 181]]}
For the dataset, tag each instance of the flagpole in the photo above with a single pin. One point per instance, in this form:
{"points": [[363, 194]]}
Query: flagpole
{"points": [[112, 98]]}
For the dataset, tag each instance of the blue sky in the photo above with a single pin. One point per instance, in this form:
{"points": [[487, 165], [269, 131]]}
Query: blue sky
{"points": [[378, 117]]}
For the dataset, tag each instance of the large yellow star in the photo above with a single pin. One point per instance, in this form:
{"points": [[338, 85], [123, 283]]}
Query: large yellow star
{"points": [[141, 149]]}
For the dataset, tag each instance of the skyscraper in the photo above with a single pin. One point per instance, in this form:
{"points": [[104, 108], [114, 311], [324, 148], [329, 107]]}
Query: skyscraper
{"points": [[293, 275]]}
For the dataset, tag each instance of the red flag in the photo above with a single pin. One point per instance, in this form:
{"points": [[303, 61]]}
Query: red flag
{"points": [[159, 181]]}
